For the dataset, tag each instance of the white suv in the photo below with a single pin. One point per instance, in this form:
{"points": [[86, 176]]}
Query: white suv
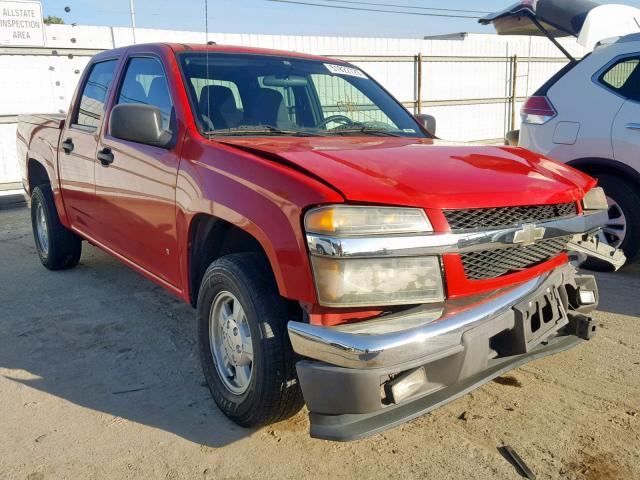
{"points": [[589, 117], [588, 114]]}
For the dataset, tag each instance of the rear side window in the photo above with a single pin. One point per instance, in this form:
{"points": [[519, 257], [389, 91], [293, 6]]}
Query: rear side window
{"points": [[94, 94], [621, 77], [145, 82]]}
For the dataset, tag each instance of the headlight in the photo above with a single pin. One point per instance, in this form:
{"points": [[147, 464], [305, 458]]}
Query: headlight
{"points": [[360, 220], [349, 282], [378, 279], [595, 199]]}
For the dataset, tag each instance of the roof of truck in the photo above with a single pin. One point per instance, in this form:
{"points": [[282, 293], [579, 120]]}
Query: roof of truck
{"points": [[199, 47]]}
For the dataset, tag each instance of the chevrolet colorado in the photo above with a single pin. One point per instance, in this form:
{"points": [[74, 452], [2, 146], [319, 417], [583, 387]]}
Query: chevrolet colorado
{"points": [[337, 253]]}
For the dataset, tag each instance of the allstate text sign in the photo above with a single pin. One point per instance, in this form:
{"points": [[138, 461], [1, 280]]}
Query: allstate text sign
{"points": [[21, 23]]}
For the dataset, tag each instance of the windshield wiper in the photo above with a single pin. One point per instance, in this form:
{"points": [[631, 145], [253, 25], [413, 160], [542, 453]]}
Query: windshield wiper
{"points": [[362, 129], [259, 130]]}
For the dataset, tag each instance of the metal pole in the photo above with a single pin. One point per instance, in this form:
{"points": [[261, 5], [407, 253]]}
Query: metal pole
{"points": [[133, 20], [526, 93], [419, 60], [514, 76]]}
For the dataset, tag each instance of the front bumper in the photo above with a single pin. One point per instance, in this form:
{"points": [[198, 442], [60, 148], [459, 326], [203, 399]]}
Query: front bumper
{"points": [[459, 344]]}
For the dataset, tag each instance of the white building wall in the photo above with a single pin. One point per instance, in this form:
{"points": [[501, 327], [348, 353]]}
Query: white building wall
{"points": [[45, 83]]}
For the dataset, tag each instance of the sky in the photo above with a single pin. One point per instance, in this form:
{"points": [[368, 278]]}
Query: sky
{"points": [[267, 17]]}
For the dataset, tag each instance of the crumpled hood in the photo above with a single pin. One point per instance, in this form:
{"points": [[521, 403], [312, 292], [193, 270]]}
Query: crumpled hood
{"points": [[424, 173]]}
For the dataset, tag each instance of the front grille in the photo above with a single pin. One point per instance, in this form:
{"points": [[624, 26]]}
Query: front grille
{"points": [[495, 263], [482, 218]]}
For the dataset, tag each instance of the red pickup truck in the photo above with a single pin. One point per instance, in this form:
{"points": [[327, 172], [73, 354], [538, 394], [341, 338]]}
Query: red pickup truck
{"points": [[337, 253]]}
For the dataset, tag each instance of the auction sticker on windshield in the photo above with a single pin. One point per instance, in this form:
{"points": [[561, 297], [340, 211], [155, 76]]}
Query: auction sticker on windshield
{"points": [[342, 70]]}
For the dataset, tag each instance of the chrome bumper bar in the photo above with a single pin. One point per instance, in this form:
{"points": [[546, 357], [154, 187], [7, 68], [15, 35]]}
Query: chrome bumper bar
{"points": [[440, 243], [426, 333]]}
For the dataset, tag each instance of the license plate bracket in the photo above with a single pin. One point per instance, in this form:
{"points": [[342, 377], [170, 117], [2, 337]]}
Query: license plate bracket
{"points": [[535, 319]]}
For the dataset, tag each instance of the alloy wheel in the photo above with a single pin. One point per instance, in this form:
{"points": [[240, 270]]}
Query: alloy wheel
{"points": [[615, 231], [230, 340], [42, 230]]}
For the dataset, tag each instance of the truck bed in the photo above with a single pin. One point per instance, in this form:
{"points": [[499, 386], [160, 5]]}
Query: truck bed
{"points": [[39, 134], [44, 119]]}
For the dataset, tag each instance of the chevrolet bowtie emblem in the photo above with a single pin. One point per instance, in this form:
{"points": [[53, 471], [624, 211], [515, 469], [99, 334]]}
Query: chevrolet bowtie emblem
{"points": [[529, 234]]}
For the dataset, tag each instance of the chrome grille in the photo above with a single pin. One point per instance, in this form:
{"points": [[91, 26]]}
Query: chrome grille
{"points": [[482, 218], [495, 263]]}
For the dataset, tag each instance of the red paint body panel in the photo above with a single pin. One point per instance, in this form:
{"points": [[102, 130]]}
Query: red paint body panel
{"points": [[422, 173], [261, 197], [141, 208]]}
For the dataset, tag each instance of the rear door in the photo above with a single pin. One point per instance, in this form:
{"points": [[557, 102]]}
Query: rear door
{"points": [[77, 155], [623, 78], [136, 192]]}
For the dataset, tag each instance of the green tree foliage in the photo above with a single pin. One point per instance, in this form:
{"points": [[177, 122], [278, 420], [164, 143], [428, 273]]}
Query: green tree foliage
{"points": [[53, 20]]}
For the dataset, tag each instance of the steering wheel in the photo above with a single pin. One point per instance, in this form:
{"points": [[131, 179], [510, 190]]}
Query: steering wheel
{"points": [[335, 118]]}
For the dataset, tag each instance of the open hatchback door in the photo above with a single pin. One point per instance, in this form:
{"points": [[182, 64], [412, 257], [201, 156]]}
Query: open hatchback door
{"points": [[588, 21]]}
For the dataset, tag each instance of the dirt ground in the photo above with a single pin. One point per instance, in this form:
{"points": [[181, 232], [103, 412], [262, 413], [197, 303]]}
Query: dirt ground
{"points": [[99, 378]]}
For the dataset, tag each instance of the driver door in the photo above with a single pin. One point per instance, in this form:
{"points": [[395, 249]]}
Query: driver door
{"points": [[136, 183]]}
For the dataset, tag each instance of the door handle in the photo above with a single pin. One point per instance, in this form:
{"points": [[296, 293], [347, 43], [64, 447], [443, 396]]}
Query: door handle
{"points": [[105, 156], [68, 146], [633, 126]]}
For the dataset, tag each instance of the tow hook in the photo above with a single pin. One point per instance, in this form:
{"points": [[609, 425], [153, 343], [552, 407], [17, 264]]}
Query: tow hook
{"points": [[582, 326], [591, 245]]}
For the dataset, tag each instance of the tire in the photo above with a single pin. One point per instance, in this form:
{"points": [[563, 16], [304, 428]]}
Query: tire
{"points": [[57, 246], [628, 202], [272, 392]]}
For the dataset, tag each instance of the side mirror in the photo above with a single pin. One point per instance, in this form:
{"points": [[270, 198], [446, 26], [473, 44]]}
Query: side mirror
{"points": [[139, 123], [512, 138], [428, 122]]}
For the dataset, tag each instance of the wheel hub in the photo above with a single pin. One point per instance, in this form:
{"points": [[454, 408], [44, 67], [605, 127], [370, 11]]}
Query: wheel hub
{"points": [[230, 339], [42, 231]]}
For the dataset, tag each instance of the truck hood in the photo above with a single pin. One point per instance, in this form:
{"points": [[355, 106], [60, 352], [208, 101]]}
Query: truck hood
{"points": [[423, 172], [584, 19]]}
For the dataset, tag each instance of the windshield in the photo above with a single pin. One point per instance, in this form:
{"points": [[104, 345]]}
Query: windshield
{"points": [[246, 94]]}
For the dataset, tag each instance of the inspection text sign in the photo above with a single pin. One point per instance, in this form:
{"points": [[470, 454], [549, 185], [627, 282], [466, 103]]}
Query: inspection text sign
{"points": [[21, 23]]}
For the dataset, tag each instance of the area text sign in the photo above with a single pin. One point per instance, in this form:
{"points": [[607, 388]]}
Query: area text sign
{"points": [[21, 23]]}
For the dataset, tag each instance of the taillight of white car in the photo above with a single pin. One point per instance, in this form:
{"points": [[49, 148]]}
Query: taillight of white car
{"points": [[537, 110]]}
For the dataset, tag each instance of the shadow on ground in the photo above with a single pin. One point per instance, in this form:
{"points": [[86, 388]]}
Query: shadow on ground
{"points": [[105, 338]]}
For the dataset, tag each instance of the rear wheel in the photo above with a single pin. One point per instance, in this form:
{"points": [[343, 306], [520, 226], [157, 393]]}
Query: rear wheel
{"points": [[245, 352], [623, 229], [57, 246]]}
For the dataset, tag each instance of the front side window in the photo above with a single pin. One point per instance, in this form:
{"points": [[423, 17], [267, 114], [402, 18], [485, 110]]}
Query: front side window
{"points": [[620, 78], [248, 94], [145, 82], [94, 94]]}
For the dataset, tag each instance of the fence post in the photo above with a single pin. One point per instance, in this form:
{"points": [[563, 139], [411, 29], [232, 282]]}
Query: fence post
{"points": [[514, 77], [418, 109]]}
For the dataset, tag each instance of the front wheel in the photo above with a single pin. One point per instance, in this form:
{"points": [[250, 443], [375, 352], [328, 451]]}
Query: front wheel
{"points": [[623, 229], [57, 246], [245, 352]]}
